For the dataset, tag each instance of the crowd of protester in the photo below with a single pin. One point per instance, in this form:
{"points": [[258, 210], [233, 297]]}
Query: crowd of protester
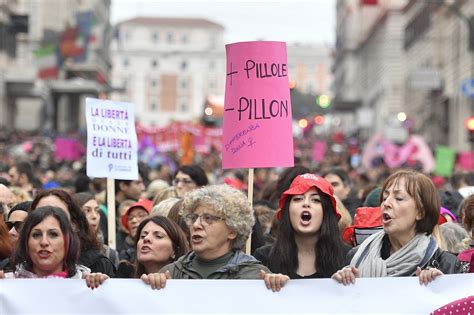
{"points": [[313, 220]]}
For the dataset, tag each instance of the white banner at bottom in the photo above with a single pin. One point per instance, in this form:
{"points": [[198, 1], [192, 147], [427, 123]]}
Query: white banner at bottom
{"points": [[324, 296]]}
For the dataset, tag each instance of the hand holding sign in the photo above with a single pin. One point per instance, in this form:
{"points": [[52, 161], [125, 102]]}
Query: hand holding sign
{"points": [[257, 129]]}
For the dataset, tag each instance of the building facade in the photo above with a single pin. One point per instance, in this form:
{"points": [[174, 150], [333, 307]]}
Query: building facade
{"points": [[57, 59], [167, 67], [438, 63], [309, 68], [369, 64], [408, 57]]}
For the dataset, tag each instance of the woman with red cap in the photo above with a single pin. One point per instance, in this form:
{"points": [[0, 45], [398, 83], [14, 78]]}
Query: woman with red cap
{"points": [[132, 218], [309, 244]]}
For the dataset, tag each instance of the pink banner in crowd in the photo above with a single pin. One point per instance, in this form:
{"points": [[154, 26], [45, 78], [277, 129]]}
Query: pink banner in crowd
{"points": [[67, 149], [465, 161], [257, 129], [319, 149], [415, 149]]}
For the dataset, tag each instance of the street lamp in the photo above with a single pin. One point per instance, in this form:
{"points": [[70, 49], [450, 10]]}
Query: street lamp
{"points": [[402, 116]]}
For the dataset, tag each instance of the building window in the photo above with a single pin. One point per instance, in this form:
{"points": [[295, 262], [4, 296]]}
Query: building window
{"points": [[153, 105], [154, 63], [183, 107], [125, 62], [212, 84], [126, 35], [184, 65], [184, 84], [184, 39], [170, 37], [153, 83], [213, 41], [125, 84], [155, 37]]}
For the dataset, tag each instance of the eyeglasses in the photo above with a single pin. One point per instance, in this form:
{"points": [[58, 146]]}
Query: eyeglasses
{"points": [[139, 217], [185, 181], [205, 218], [17, 224]]}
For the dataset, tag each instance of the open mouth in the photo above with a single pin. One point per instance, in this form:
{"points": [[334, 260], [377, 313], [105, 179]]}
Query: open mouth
{"points": [[145, 249], [386, 218], [306, 217], [44, 254], [196, 238]]}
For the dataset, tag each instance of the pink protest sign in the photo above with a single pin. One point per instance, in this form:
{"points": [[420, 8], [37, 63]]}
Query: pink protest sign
{"points": [[465, 161], [319, 149], [67, 149], [257, 130]]}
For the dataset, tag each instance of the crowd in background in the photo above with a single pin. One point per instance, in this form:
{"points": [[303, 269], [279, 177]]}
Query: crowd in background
{"points": [[306, 221]]}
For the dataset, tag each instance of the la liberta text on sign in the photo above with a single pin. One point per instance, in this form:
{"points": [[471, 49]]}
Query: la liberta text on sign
{"points": [[257, 109], [111, 142], [109, 113], [265, 70]]}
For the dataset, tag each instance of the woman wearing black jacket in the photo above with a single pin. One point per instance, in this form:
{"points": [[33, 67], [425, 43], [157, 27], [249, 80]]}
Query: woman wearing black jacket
{"points": [[309, 243], [406, 247], [90, 253]]}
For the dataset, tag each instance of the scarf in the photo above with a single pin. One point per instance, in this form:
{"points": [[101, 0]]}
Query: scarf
{"points": [[417, 252], [22, 272]]}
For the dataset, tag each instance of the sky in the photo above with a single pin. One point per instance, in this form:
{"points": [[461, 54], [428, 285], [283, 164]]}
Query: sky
{"points": [[292, 21]]}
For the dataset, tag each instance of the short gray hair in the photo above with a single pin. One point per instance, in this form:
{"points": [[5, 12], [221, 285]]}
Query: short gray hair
{"points": [[455, 236], [228, 202]]}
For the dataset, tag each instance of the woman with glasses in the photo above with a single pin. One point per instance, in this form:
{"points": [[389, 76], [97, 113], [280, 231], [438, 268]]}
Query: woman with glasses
{"points": [[220, 219], [189, 178], [15, 219], [14, 223], [132, 218]]}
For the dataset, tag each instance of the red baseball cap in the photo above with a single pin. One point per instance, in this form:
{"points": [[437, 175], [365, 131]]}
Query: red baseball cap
{"points": [[144, 204], [365, 217], [303, 183]]}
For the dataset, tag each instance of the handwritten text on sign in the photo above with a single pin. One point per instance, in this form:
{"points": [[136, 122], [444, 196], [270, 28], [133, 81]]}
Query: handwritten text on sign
{"points": [[257, 129], [111, 139]]}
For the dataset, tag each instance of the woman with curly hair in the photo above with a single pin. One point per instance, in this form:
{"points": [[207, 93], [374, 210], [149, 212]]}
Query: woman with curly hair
{"points": [[220, 219]]}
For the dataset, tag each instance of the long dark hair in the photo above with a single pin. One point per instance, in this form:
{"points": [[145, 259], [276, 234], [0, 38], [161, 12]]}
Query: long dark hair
{"points": [[5, 244], [197, 174], [78, 218], [177, 236], [71, 241], [329, 248]]}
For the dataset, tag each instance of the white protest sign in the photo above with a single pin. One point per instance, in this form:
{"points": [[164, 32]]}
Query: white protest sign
{"points": [[111, 139], [322, 296]]}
